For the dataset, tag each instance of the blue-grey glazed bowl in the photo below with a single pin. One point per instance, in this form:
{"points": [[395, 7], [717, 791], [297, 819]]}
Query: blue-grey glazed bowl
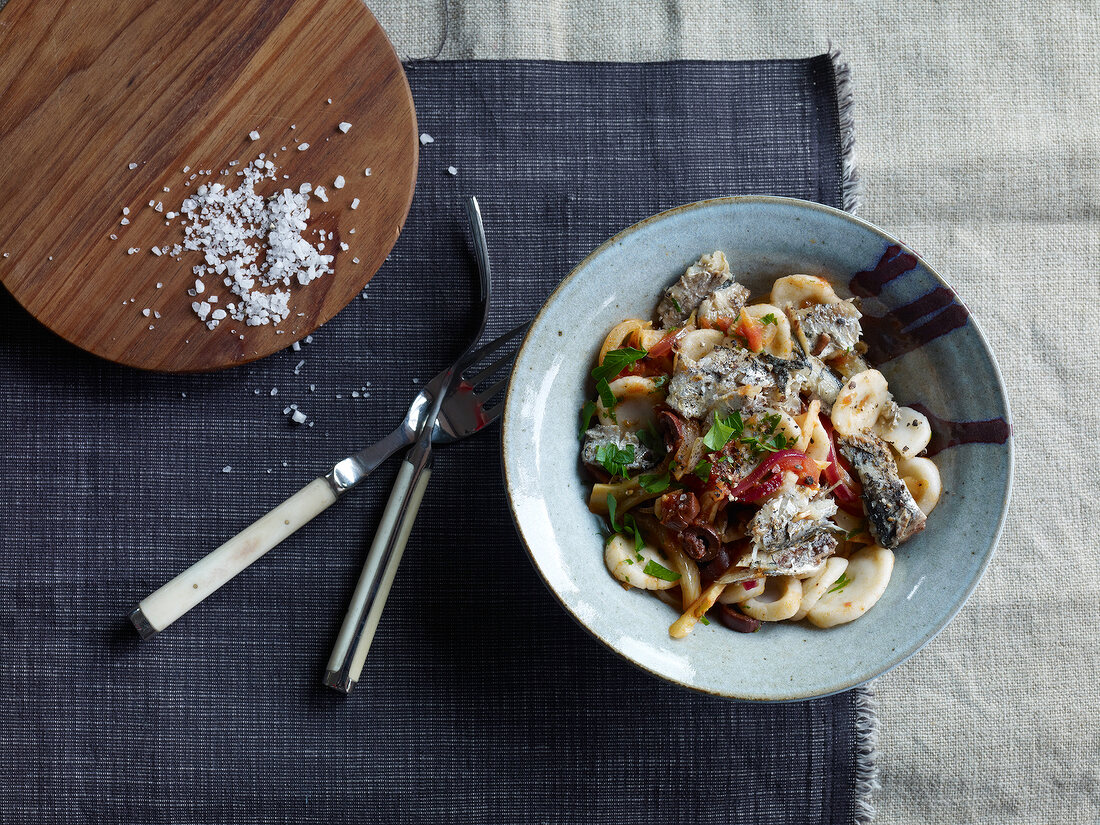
{"points": [[935, 356]]}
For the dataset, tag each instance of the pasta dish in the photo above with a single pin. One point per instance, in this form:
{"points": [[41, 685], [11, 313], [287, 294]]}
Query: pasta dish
{"points": [[748, 461]]}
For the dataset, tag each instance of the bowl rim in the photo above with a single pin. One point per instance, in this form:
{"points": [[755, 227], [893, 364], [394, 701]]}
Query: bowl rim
{"points": [[798, 203]]}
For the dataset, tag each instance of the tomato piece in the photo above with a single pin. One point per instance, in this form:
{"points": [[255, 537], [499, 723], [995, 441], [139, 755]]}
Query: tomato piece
{"points": [[752, 331]]}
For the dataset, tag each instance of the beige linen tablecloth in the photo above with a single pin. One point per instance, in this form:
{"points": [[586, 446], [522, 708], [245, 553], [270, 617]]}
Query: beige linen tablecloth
{"points": [[978, 129]]}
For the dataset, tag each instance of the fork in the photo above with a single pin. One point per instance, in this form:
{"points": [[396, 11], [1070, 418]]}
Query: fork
{"points": [[469, 408]]}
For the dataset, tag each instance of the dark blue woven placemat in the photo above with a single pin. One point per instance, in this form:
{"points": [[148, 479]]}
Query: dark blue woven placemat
{"points": [[481, 702]]}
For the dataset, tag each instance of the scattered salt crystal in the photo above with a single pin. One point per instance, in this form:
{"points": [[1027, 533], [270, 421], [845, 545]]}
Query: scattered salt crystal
{"points": [[355, 203], [298, 417], [292, 126], [124, 222], [159, 284], [286, 410], [425, 139], [156, 251], [146, 312], [132, 166], [166, 189], [298, 367], [132, 250], [329, 100], [159, 207], [339, 182], [183, 395], [305, 188], [200, 287], [312, 387], [302, 147], [355, 394], [284, 464], [169, 215], [345, 126], [151, 326], [254, 135], [367, 171], [309, 339], [344, 246], [355, 260], [452, 170], [351, 231], [296, 346], [218, 314], [274, 390], [186, 169], [213, 299], [320, 193], [114, 237], [227, 469], [126, 210], [156, 314]]}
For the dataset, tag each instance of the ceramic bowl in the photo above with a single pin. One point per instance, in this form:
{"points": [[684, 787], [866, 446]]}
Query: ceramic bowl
{"points": [[936, 356]]}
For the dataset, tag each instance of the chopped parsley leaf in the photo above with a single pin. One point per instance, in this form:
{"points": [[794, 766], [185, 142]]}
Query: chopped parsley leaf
{"points": [[654, 483], [770, 319], [676, 304], [702, 470], [616, 361], [612, 506], [615, 460], [723, 430], [768, 440], [659, 571], [841, 583], [704, 620], [630, 526], [652, 439], [587, 411], [660, 381], [607, 397]]}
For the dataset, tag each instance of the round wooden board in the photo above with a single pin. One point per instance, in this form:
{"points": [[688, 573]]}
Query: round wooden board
{"points": [[89, 87]]}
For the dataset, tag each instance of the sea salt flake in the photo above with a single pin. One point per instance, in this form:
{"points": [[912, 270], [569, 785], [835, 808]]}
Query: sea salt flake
{"points": [[339, 182], [425, 139], [452, 170], [254, 135], [355, 203], [302, 147], [344, 126], [298, 417], [132, 166], [274, 390], [227, 469]]}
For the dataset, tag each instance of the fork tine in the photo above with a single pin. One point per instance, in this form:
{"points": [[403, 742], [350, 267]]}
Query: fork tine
{"points": [[484, 352], [507, 358], [493, 414], [488, 395]]}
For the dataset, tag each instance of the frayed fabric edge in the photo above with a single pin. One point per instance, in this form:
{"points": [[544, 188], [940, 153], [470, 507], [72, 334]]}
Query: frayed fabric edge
{"points": [[866, 754], [851, 184]]}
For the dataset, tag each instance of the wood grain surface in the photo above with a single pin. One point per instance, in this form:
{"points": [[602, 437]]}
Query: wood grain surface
{"points": [[89, 87]]}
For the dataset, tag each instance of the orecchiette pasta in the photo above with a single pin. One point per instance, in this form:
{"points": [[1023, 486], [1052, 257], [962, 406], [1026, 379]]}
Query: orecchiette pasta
{"points": [[861, 584], [748, 459]]}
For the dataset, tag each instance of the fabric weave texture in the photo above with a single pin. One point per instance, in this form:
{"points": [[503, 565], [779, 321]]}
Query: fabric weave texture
{"points": [[481, 701]]}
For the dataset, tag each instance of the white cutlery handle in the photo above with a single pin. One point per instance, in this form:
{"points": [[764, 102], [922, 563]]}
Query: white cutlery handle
{"points": [[157, 611], [361, 621]]}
